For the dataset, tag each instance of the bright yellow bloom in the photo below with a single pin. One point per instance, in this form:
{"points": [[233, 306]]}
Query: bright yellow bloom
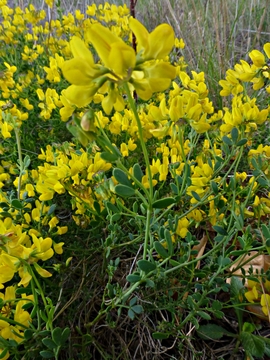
{"points": [[119, 64]]}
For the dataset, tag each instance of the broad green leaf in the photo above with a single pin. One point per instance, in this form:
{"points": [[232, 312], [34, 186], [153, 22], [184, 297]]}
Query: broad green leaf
{"points": [[65, 335], [3, 353], [133, 301], [26, 161], [97, 207], [115, 217], [227, 140], [110, 157], [5, 214], [123, 190], [112, 207], [163, 203], [131, 314], [52, 209], [28, 334], [204, 315], [137, 172], [161, 250], [195, 195], [49, 343], [212, 332], [266, 231], [56, 335], [146, 266], [16, 204], [214, 187], [46, 354], [174, 188], [234, 135], [241, 142], [121, 177], [132, 278], [138, 309], [253, 344], [220, 230]]}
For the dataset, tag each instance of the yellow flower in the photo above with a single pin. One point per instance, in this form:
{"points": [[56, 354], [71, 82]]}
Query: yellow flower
{"points": [[157, 44], [265, 303], [182, 227], [119, 64]]}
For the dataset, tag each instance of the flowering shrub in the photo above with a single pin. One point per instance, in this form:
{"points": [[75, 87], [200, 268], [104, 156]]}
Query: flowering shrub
{"points": [[150, 158]]}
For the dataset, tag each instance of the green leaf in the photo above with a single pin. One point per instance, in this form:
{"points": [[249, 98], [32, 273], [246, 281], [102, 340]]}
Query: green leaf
{"points": [[121, 177], [266, 231], [161, 250], [220, 230], [214, 187], [138, 309], [204, 315], [16, 204], [52, 209], [160, 335], [146, 266], [65, 335], [137, 172], [263, 182], [168, 239], [133, 301], [223, 261], [149, 283], [123, 190], [163, 203], [227, 140], [131, 314], [28, 334], [212, 332], [115, 217], [26, 161], [112, 207], [132, 278], [110, 157], [3, 353], [248, 327], [242, 142], [56, 335], [174, 188], [27, 305], [5, 214], [234, 135], [46, 354], [97, 207], [195, 195], [253, 344], [49, 343]]}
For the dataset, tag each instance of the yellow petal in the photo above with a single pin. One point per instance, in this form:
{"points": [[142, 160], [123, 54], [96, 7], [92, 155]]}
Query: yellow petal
{"points": [[78, 72], [161, 42], [80, 50], [257, 58], [161, 70], [102, 40], [42, 272], [266, 49], [79, 95], [121, 59], [142, 36]]}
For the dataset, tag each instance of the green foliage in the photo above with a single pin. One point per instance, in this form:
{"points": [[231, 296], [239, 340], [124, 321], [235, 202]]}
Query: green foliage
{"points": [[161, 199]]}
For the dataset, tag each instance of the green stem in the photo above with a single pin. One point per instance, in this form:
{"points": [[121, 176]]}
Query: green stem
{"points": [[16, 130], [143, 146]]}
